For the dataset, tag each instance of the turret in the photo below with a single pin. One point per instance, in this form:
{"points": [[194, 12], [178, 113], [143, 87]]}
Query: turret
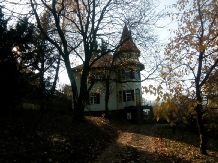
{"points": [[127, 53]]}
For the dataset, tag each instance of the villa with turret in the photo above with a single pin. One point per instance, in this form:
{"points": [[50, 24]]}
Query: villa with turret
{"points": [[124, 70]]}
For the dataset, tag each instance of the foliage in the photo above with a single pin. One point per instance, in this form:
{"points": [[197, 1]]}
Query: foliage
{"points": [[185, 148], [66, 89], [192, 54], [14, 47], [175, 109], [27, 64], [192, 58], [211, 90]]}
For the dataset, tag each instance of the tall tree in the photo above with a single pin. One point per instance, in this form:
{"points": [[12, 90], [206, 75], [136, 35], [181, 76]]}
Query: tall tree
{"points": [[14, 47], [47, 62], [192, 54], [85, 23]]}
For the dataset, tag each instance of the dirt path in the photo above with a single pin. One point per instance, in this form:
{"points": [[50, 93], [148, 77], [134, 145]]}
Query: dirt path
{"points": [[137, 145]]}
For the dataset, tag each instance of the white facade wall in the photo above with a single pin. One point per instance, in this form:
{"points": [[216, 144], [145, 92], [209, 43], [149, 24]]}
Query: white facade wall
{"points": [[115, 103]]}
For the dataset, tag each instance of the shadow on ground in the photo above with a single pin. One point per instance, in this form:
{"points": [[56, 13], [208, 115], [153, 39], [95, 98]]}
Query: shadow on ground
{"points": [[182, 133], [120, 153], [56, 138]]}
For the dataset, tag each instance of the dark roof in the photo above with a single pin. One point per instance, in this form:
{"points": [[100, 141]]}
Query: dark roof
{"points": [[126, 63], [104, 61], [126, 43]]}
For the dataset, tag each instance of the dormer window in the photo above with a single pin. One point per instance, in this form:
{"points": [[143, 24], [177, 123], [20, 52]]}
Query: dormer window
{"points": [[98, 76], [128, 55], [135, 56]]}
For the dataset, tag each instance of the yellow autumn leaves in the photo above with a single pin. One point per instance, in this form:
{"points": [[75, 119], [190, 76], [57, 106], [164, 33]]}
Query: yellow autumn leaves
{"points": [[191, 62]]}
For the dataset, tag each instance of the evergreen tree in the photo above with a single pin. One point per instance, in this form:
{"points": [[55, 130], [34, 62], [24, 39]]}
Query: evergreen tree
{"points": [[14, 52]]}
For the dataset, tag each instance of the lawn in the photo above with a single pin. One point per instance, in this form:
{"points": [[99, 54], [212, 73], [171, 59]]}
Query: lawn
{"points": [[183, 145]]}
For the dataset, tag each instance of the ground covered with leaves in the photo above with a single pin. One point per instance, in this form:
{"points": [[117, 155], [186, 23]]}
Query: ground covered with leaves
{"points": [[56, 139], [158, 144], [97, 140], [183, 145]]}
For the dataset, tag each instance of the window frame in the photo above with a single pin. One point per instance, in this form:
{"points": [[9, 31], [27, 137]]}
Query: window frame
{"points": [[137, 75], [94, 98], [128, 95], [128, 92], [129, 74]]}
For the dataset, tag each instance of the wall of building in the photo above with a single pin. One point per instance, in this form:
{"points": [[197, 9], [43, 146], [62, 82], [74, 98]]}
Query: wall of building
{"points": [[115, 101]]}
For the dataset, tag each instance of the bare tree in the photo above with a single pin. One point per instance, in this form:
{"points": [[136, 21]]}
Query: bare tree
{"points": [[86, 22]]}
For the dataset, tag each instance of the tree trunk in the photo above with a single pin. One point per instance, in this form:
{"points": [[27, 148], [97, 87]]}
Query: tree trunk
{"points": [[83, 95], [77, 115], [107, 98], [56, 76], [42, 83], [202, 131], [203, 143], [174, 129], [52, 90], [41, 92]]}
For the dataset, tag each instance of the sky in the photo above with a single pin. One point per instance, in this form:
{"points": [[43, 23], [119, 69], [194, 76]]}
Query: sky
{"points": [[164, 35]]}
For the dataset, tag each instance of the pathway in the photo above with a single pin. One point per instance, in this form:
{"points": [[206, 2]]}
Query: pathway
{"points": [[136, 145]]}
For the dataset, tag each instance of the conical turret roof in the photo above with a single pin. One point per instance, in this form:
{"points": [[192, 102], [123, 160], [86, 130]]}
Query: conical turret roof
{"points": [[126, 43]]}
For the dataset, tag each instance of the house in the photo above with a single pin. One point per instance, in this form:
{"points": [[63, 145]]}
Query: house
{"points": [[123, 69]]}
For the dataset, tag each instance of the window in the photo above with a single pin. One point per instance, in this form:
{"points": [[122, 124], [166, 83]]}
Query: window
{"points": [[128, 95], [94, 98], [129, 116], [128, 55], [137, 75], [98, 76], [92, 76], [146, 111], [129, 74], [135, 56]]}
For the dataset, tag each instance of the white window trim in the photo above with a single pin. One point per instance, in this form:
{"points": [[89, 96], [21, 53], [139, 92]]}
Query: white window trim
{"points": [[128, 95], [93, 99]]}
